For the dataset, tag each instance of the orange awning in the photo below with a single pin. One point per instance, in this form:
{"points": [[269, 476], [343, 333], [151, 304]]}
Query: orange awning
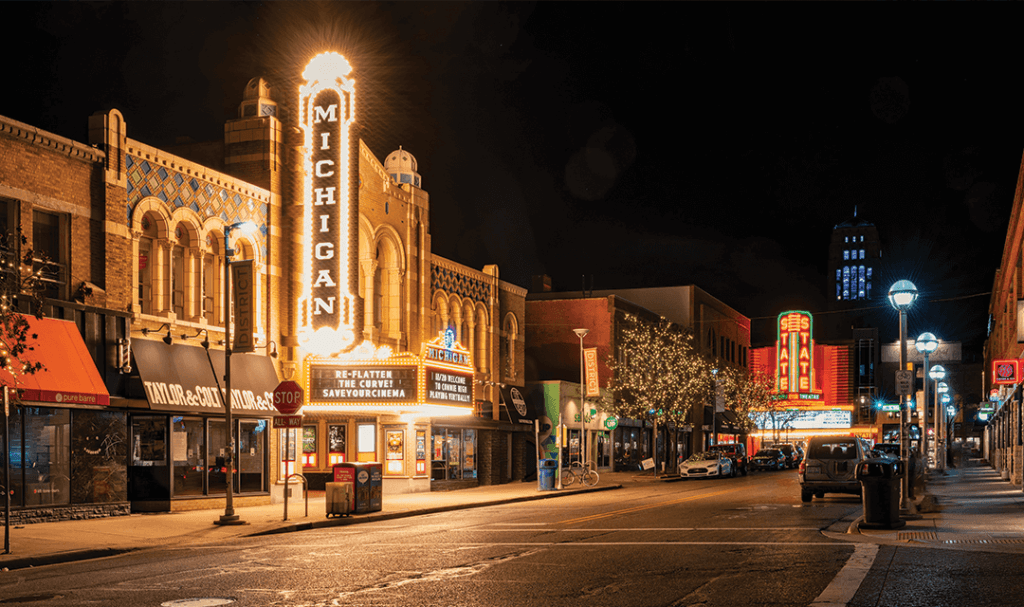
{"points": [[69, 375]]}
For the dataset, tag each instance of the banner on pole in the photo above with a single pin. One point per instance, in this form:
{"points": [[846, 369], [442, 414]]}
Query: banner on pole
{"points": [[590, 365], [242, 287]]}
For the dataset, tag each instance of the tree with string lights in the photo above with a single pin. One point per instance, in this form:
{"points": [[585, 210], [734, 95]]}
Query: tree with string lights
{"points": [[748, 394], [22, 281], [660, 377]]}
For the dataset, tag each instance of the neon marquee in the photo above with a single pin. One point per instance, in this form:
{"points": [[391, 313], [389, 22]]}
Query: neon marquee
{"points": [[327, 110], [794, 352]]}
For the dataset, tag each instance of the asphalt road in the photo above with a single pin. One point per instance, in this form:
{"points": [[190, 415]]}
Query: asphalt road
{"points": [[727, 542]]}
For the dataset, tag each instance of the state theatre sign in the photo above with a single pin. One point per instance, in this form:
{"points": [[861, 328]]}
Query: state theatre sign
{"points": [[794, 352], [438, 382]]}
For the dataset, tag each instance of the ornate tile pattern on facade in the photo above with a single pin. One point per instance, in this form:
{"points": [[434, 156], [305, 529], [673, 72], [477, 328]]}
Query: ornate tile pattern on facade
{"points": [[452, 282], [206, 199]]}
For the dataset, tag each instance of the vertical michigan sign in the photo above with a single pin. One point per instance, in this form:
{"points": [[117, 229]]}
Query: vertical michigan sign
{"points": [[327, 106]]}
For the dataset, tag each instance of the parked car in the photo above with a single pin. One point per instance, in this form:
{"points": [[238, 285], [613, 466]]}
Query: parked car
{"points": [[737, 452], [709, 463], [768, 459], [888, 450], [794, 454], [830, 466]]}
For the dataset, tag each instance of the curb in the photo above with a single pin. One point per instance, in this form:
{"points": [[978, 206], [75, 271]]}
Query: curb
{"points": [[63, 557]]}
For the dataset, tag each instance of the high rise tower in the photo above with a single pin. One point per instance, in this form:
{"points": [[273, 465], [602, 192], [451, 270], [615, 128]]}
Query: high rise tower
{"points": [[854, 256]]}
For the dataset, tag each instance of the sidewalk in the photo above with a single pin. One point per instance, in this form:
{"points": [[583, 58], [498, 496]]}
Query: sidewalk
{"points": [[967, 508], [59, 542]]}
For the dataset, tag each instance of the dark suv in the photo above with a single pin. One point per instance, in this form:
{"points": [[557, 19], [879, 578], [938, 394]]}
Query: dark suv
{"points": [[736, 452]]}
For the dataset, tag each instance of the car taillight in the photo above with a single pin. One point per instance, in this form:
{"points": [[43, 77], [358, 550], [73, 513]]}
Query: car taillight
{"points": [[803, 465]]}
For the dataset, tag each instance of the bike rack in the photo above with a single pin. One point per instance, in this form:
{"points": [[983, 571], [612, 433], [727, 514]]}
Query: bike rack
{"points": [[305, 489]]}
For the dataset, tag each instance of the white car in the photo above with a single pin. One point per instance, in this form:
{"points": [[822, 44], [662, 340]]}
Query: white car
{"points": [[709, 463]]}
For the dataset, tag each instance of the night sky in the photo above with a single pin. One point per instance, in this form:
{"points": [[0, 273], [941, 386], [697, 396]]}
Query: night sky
{"points": [[636, 144]]}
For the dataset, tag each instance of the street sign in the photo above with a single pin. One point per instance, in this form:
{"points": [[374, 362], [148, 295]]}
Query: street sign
{"points": [[904, 382], [891, 408], [288, 397], [287, 421]]}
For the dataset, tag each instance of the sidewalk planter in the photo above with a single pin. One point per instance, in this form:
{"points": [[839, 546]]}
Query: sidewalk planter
{"points": [[880, 482]]}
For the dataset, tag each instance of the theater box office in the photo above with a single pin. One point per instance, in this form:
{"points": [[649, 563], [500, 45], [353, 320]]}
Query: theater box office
{"points": [[179, 445], [67, 449], [372, 405]]}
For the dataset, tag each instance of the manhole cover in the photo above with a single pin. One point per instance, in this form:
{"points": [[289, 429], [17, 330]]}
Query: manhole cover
{"points": [[31, 598], [203, 602]]}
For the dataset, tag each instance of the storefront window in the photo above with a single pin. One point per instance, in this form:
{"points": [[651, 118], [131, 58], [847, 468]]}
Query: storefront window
{"points": [[251, 449], [454, 454], [469, 453], [421, 452], [335, 444], [187, 454], [216, 459], [43, 459], [309, 446], [395, 456], [366, 443]]}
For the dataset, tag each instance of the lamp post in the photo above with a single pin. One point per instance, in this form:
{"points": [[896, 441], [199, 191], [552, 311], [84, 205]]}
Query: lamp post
{"points": [[902, 295], [938, 373], [926, 343], [229, 517], [581, 333]]}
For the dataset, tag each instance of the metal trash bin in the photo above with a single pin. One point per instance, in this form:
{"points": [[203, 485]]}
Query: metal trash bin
{"points": [[546, 469], [880, 480]]}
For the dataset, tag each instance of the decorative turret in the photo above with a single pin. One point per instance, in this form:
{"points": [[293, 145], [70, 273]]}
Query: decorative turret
{"points": [[401, 165]]}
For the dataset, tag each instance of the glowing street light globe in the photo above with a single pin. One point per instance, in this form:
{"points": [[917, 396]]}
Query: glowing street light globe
{"points": [[945, 399], [937, 373], [926, 343], [902, 295]]}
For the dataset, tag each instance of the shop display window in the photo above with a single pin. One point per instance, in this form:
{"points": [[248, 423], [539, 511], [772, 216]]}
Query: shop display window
{"points": [[336, 444], [421, 452], [216, 457], [309, 447], [366, 442], [289, 451], [45, 471], [395, 455], [454, 454], [187, 455]]}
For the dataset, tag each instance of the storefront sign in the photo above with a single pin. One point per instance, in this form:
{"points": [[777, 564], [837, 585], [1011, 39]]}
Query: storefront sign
{"points": [[382, 384], [611, 423], [326, 113], [1005, 371], [444, 387]]}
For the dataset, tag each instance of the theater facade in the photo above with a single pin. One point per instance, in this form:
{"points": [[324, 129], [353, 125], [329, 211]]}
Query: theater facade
{"points": [[405, 358], [813, 393]]}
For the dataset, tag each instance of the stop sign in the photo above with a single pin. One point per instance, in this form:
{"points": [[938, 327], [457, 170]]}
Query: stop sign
{"points": [[288, 397]]}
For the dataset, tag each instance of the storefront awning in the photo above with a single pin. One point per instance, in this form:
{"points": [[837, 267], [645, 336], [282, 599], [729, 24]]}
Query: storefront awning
{"points": [[514, 407], [179, 379], [68, 376], [727, 422]]}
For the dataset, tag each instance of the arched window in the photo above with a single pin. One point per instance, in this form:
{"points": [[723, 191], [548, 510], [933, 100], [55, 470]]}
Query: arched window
{"points": [[480, 353], [510, 334], [145, 295]]}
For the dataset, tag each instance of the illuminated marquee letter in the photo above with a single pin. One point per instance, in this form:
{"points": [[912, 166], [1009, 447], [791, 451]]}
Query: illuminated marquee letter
{"points": [[327, 111]]}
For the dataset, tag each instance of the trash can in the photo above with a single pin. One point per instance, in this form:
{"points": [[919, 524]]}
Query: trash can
{"points": [[546, 469], [880, 492]]}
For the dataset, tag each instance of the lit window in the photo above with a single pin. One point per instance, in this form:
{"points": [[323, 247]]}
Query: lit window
{"points": [[862, 239], [862, 253], [846, 255], [366, 443], [847, 239]]}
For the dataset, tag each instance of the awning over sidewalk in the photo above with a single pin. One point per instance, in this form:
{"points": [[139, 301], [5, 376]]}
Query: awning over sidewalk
{"points": [[179, 379], [68, 376], [514, 407]]}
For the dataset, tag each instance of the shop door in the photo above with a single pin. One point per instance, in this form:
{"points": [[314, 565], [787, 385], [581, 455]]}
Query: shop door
{"points": [[149, 474], [604, 450]]}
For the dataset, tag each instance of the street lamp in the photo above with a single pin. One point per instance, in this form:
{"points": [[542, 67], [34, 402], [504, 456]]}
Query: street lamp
{"points": [[581, 333], [902, 295], [229, 517], [926, 343], [938, 373]]}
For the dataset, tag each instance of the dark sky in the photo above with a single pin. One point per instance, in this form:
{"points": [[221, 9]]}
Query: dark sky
{"points": [[638, 144]]}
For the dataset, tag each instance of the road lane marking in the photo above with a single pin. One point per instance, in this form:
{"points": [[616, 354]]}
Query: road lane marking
{"points": [[689, 498], [816, 529], [846, 583]]}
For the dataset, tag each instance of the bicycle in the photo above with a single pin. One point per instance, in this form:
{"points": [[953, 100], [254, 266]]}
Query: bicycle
{"points": [[577, 472]]}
